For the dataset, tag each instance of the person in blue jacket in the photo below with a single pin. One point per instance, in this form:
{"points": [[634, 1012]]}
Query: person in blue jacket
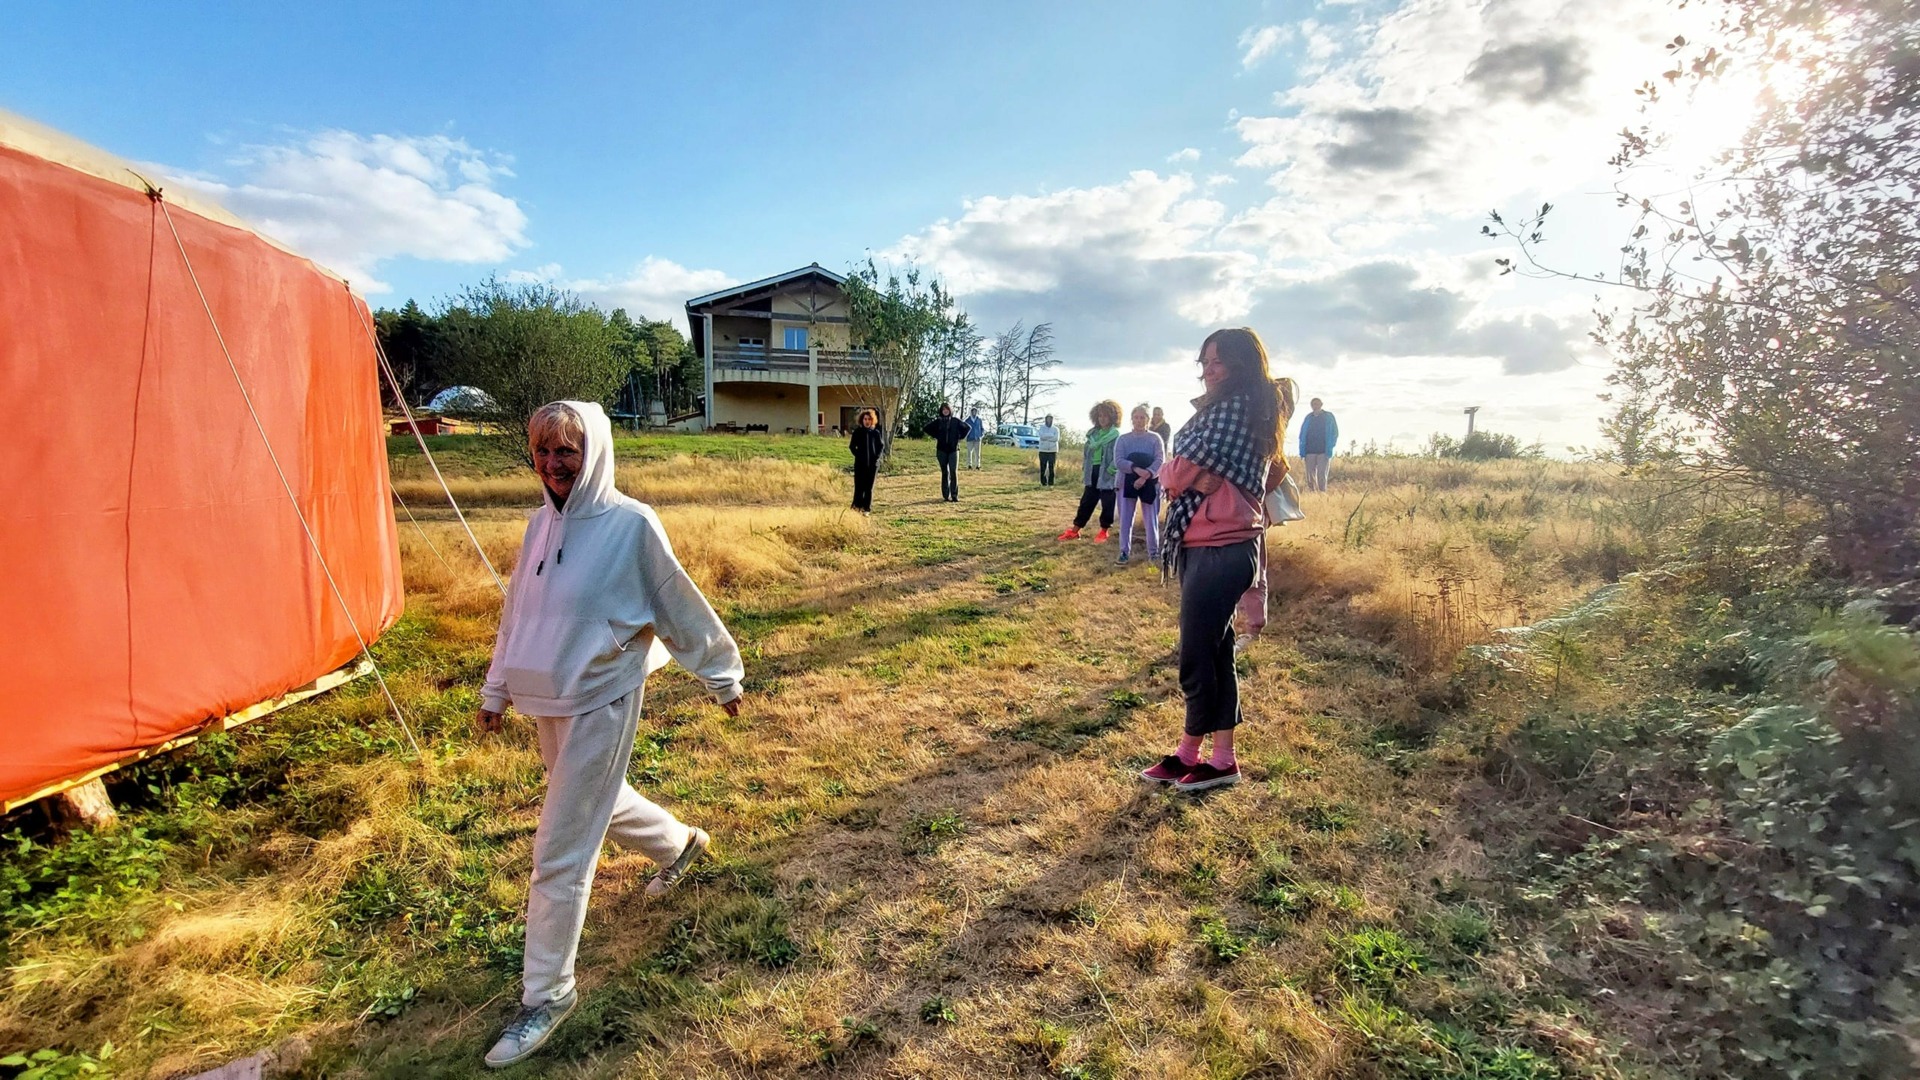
{"points": [[1319, 434], [976, 431]]}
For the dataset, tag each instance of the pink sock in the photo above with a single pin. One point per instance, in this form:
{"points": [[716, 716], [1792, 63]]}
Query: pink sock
{"points": [[1222, 749], [1189, 752]]}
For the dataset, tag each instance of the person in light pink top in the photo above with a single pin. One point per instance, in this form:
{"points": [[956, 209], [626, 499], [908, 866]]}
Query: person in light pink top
{"points": [[1222, 462]]}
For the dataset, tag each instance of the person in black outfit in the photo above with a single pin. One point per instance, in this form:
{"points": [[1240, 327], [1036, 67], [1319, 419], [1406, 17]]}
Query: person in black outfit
{"points": [[948, 432], [867, 445]]}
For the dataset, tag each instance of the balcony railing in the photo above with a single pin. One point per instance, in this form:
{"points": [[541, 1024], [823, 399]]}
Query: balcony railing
{"points": [[832, 361]]}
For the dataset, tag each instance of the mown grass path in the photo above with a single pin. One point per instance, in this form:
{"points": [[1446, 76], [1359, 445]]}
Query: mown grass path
{"points": [[933, 855]]}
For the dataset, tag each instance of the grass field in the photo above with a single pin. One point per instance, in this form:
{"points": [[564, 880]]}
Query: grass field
{"points": [[933, 856]]}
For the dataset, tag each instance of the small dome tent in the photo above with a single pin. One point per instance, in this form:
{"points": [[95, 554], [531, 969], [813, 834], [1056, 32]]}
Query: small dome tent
{"points": [[462, 401], [155, 577]]}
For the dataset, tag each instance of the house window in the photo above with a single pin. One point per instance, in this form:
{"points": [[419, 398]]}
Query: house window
{"points": [[753, 344], [797, 338]]}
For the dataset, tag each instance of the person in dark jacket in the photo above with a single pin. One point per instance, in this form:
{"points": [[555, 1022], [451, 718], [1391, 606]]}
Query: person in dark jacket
{"points": [[867, 445], [948, 432]]}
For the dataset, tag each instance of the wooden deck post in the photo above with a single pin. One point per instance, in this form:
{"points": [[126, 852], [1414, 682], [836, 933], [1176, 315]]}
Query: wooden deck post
{"points": [[87, 804], [813, 389]]}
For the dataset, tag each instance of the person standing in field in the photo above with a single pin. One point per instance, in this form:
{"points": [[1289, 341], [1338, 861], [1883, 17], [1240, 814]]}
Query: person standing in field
{"points": [[948, 432], [1097, 475], [597, 603], [1319, 434], [1160, 427], [867, 445], [976, 432], [1215, 482], [1049, 437], [1139, 455]]}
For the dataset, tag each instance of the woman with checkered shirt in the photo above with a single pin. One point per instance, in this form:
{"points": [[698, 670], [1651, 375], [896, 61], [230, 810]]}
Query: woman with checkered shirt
{"points": [[1223, 461]]}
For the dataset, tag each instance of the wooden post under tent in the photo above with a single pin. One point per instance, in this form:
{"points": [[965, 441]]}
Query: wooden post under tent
{"points": [[199, 524]]}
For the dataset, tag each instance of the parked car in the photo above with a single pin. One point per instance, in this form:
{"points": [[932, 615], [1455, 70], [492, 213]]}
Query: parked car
{"points": [[1018, 436]]}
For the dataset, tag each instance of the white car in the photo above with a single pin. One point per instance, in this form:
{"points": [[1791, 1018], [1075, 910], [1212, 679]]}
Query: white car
{"points": [[1018, 436]]}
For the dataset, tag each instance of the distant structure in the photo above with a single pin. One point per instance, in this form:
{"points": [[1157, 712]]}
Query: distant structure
{"points": [[776, 356], [1471, 409]]}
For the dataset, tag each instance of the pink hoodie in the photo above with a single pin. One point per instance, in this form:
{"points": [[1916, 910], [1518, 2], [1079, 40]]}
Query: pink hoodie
{"points": [[1227, 516]]}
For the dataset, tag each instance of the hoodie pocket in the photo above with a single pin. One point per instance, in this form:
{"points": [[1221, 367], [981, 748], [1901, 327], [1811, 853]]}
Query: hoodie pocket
{"points": [[550, 655]]}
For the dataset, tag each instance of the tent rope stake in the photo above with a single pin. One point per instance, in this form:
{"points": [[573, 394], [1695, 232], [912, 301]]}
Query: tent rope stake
{"points": [[312, 540], [393, 381]]}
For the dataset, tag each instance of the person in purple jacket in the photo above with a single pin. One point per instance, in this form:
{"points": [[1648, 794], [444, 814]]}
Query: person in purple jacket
{"points": [[1137, 457]]}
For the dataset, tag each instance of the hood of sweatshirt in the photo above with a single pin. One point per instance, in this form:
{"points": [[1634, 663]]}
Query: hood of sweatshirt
{"points": [[593, 491]]}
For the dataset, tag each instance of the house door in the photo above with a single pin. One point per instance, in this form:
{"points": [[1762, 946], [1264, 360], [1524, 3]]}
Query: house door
{"points": [[850, 416]]}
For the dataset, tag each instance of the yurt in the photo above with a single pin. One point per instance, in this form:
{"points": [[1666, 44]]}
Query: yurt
{"points": [[195, 514]]}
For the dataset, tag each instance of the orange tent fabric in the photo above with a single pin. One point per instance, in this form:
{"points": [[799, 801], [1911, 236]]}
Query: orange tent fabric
{"points": [[153, 573]]}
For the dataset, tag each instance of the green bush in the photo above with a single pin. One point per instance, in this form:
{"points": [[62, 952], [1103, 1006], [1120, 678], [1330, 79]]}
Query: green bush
{"points": [[1770, 829]]}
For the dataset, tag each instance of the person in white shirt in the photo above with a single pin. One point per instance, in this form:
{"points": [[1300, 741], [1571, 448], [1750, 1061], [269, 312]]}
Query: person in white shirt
{"points": [[598, 602], [1049, 437]]}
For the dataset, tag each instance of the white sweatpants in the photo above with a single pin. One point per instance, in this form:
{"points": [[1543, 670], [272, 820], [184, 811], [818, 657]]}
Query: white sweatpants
{"points": [[588, 800], [973, 453]]}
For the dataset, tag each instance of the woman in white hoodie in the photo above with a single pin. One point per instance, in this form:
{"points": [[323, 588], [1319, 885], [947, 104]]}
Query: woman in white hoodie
{"points": [[597, 603]]}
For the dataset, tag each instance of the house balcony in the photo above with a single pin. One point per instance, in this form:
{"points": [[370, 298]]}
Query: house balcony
{"points": [[837, 367]]}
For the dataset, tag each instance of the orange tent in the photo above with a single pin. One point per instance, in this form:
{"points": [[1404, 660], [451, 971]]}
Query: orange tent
{"points": [[155, 577]]}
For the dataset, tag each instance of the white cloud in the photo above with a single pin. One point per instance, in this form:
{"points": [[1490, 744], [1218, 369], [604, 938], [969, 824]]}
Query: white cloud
{"points": [[1146, 267], [656, 289], [1121, 270], [352, 201], [1188, 154], [1449, 107], [1259, 42], [539, 275]]}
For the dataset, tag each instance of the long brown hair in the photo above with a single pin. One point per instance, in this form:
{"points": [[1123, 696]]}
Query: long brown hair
{"points": [[1270, 400]]}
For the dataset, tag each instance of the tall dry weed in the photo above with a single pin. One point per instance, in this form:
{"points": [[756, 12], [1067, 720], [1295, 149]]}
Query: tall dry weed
{"points": [[1437, 555], [677, 481]]}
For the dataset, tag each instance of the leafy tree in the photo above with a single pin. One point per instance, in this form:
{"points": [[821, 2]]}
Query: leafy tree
{"points": [[1480, 446], [907, 326], [1779, 308], [411, 340], [528, 344]]}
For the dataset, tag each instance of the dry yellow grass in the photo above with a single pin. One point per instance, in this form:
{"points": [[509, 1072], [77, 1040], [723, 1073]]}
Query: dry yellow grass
{"points": [[931, 798], [1439, 554], [677, 481]]}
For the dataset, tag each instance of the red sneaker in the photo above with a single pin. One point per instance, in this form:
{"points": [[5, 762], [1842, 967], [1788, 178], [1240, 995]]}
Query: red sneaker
{"points": [[1204, 776], [1100, 537], [1169, 771], [1070, 534]]}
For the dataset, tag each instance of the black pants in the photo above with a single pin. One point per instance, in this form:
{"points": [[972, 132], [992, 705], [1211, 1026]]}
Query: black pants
{"points": [[1211, 581], [1046, 467], [949, 473], [863, 486], [1088, 498]]}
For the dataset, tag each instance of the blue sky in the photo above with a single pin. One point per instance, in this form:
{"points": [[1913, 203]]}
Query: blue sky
{"points": [[1136, 173]]}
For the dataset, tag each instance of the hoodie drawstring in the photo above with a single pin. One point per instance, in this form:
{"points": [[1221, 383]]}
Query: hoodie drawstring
{"points": [[560, 555]]}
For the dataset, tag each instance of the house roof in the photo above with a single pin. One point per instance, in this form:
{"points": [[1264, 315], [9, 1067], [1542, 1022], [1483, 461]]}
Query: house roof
{"points": [[737, 292], [751, 291]]}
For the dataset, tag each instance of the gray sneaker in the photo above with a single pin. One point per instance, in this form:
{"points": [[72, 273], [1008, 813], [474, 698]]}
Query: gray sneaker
{"points": [[530, 1030], [669, 876]]}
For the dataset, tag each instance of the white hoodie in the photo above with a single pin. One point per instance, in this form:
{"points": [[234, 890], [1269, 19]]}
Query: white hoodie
{"points": [[598, 601]]}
